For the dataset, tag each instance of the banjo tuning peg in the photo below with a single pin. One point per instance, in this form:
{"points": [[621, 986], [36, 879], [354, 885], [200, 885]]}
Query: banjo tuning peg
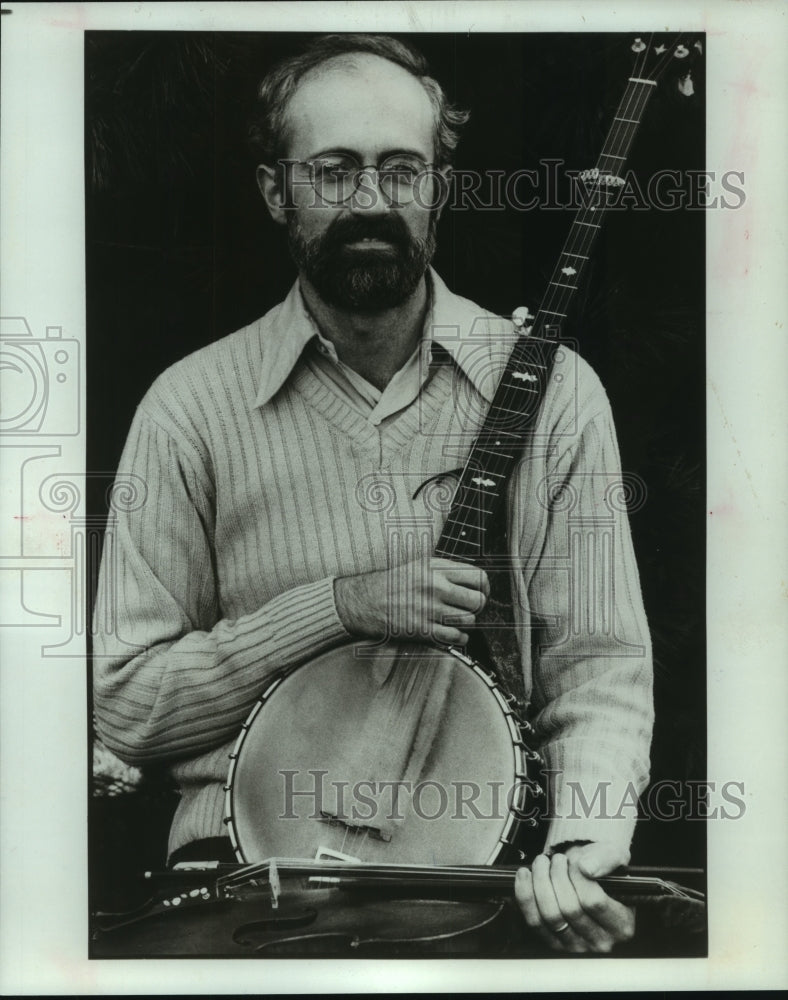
{"points": [[521, 315]]}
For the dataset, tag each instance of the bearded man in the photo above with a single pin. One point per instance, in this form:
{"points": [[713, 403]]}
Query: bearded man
{"points": [[256, 550]]}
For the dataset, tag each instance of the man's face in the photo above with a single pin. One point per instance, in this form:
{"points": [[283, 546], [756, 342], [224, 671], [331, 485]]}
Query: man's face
{"points": [[369, 252]]}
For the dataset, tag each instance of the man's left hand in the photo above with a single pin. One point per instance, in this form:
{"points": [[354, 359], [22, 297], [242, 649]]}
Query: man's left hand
{"points": [[562, 901]]}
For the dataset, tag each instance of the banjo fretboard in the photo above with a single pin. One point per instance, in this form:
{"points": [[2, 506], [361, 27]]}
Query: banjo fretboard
{"points": [[515, 408]]}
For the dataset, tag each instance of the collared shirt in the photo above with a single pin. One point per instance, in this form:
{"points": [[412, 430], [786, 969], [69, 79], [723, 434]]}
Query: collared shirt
{"points": [[457, 324], [379, 405], [375, 404], [256, 484]]}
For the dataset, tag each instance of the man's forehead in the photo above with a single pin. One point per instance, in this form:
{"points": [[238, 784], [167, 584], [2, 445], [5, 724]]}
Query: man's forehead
{"points": [[361, 103]]}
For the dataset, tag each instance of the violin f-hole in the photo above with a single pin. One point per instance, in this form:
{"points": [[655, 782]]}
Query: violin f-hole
{"points": [[252, 935]]}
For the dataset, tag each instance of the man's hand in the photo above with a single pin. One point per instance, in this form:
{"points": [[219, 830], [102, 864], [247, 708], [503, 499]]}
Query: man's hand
{"points": [[563, 903], [430, 598]]}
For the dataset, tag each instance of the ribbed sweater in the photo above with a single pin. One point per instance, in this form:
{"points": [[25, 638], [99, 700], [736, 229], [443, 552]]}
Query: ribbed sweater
{"points": [[257, 484]]}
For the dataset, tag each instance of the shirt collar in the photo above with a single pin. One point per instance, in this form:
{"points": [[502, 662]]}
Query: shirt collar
{"points": [[478, 341]]}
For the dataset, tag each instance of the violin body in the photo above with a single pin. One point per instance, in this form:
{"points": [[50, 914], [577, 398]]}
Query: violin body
{"points": [[327, 909], [318, 923]]}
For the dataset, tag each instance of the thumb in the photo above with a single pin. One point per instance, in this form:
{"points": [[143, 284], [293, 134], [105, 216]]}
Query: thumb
{"points": [[596, 860]]}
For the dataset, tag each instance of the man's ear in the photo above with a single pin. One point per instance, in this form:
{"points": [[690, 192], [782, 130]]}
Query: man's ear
{"points": [[271, 184]]}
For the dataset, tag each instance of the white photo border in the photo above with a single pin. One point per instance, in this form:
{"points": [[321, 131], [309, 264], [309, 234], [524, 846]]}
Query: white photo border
{"points": [[43, 948]]}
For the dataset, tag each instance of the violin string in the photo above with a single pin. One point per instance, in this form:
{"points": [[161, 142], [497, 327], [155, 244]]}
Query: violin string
{"points": [[634, 882]]}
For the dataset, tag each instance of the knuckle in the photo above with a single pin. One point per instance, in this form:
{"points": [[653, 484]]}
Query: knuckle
{"points": [[448, 636], [596, 906]]}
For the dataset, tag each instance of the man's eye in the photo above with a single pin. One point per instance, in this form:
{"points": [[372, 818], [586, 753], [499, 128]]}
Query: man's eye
{"points": [[333, 169], [402, 172], [403, 165]]}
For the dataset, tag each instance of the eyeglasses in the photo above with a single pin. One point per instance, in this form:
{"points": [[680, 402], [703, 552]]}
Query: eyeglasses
{"points": [[337, 177]]}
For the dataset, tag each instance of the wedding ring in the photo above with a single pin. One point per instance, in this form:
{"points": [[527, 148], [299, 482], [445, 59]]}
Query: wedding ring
{"points": [[560, 930]]}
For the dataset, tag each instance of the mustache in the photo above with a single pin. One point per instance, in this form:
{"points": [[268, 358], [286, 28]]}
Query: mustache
{"points": [[350, 229], [363, 279]]}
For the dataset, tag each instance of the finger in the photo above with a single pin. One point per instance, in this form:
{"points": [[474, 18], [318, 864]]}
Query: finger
{"points": [[465, 575], [582, 922], [524, 894], [446, 636], [616, 920], [552, 923], [565, 939], [452, 616], [463, 597], [550, 912]]}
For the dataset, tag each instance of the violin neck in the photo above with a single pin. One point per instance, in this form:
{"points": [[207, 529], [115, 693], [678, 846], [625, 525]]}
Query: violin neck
{"points": [[478, 878]]}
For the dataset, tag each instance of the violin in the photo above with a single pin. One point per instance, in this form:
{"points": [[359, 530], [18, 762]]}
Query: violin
{"points": [[331, 908]]}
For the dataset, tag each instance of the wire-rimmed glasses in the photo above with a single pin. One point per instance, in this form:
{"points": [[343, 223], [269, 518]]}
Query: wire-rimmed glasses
{"points": [[337, 177]]}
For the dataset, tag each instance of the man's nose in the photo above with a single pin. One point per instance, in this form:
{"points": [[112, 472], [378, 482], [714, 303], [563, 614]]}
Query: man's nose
{"points": [[369, 198]]}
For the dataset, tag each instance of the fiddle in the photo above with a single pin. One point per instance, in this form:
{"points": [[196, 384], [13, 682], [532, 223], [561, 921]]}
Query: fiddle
{"points": [[330, 908]]}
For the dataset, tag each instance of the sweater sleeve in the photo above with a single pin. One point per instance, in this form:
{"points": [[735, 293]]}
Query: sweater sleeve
{"points": [[172, 678], [592, 664]]}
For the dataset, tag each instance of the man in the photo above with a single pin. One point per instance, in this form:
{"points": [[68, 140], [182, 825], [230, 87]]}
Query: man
{"points": [[255, 549]]}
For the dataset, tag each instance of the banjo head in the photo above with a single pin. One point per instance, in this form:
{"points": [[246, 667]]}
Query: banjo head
{"points": [[394, 753]]}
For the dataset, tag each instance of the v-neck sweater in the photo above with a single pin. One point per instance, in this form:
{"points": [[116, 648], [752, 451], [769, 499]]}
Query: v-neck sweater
{"points": [[241, 510]]}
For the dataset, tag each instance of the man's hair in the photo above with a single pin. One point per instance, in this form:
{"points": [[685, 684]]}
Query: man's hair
{"points": [[267, 130]]}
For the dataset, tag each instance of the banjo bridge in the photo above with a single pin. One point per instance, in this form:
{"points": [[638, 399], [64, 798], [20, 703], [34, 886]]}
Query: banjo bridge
{"points": [[371, 831]]}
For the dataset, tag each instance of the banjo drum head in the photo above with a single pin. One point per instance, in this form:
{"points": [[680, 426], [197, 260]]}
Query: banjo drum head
{"points": [[395, 754]]}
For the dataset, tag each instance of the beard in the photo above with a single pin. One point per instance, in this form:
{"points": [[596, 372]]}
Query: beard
{"points": [[363, 280]]}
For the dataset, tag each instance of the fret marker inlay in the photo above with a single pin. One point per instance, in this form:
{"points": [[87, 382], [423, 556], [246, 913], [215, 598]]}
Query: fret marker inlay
{"points": [[530, 370]]}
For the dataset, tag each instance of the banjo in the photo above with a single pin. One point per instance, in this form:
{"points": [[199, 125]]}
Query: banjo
{"points": [[404, 753]]}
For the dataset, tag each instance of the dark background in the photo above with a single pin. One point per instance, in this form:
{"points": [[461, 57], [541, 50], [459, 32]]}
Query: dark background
{"points": [[180, 251]]}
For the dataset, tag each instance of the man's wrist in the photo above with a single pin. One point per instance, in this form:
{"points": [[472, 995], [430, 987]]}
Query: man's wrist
{"points": [[347, 598]]}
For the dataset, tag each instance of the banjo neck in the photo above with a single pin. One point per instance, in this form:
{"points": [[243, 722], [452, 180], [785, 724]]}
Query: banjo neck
{"points": [[515, 407]]}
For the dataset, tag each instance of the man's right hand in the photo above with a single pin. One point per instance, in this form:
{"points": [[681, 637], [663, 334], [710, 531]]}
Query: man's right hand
{"points": [[425, 599]]}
